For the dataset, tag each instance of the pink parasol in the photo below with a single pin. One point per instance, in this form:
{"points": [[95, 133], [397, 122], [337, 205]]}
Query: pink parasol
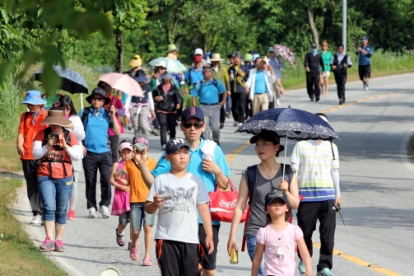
{"points": [[285, 53], [122, 82]]}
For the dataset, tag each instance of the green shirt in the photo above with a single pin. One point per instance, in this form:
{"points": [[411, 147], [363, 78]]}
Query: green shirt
{"points": [[326, 58]]}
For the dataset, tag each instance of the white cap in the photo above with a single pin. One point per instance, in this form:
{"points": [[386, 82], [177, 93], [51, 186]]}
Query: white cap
{"points": [[161, 63], [198, 51]]}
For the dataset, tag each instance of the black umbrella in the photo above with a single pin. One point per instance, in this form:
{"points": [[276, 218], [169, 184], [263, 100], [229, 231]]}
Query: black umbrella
{"points": [[291, 123], [72, 81]]}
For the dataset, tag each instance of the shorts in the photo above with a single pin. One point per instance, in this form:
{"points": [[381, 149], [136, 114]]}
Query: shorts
{"points": [[364, 71], [177, 258], [208, 261], [325, 74], [139, 216], [124, 218]]}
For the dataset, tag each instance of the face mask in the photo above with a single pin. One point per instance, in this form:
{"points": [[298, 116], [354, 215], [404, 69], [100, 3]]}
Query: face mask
{"points": [[314, 51]]}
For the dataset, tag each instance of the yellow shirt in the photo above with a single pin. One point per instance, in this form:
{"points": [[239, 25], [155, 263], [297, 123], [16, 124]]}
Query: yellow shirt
{"points": [[138, 190]]}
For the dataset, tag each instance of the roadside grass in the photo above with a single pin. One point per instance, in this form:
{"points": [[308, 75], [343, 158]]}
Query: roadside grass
{"points": [[9, 159], [18, 255]]}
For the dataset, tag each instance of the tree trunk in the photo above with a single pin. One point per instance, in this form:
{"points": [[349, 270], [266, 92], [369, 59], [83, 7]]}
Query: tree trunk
{"points": [[120, 50], [315, 33]]}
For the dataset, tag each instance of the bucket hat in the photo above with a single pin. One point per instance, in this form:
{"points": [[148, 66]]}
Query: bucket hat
{"points": [[216, 57], [33, 97], [98, 91], [56, 117], [141, 78], [248, 57], [167, 75], [171, 48]]}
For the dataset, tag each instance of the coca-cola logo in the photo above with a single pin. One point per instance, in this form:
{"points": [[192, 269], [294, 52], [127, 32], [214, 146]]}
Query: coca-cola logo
{"points": [[228, 204]]}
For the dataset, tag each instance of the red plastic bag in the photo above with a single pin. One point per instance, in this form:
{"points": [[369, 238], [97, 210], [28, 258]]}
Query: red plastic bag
{"points": [[222, 204]]}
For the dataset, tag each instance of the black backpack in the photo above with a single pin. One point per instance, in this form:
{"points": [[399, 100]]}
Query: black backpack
{"points": [[215, 83]]}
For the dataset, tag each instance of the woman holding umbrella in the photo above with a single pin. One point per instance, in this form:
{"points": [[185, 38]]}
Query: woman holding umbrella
{"points": [[256, 182], [168, 99]]}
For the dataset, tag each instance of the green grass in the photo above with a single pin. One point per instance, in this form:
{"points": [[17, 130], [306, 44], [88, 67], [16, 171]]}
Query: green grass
{"points": [[18, 255], [9, 159]]}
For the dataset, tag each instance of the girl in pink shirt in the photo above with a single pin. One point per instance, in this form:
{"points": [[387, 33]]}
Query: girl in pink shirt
{"points": [[277, 241]]}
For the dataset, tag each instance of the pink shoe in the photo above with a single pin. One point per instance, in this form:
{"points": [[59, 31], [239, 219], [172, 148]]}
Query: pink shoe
{"points": [[47, 245], [147, 262], [133, 253], [71, 215]]}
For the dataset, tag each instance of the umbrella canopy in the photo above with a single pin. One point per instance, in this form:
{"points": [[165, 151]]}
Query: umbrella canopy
{"points": [[122, 82], [72, 81], [291, 123], [285, 53], [172, 65]]}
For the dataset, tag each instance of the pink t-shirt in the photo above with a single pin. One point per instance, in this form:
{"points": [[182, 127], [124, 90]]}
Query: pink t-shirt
{"points": [[280, 246]]}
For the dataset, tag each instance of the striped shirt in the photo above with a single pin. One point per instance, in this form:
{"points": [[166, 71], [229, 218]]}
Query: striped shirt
{"points": [[315, 162]]}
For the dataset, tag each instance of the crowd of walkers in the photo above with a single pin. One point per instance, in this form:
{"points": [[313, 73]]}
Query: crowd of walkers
{"points": [[56, 144]]}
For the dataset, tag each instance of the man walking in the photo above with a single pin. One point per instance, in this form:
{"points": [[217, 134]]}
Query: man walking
{"points": [[312, 62], [194, 74], [277, 64], [239, 73], [364, 52], [209, 90], [97, 149], [28, 128], [208, 162], [317, 166], [220, 73], [340, 63], [259, 87]]}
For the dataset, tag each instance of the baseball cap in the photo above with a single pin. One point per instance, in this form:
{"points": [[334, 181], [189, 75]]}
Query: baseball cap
{"points": [[124, 145], [207, 67], [198, 51], [364, 38], [141, 139], [314, 46], [197, 58], [255, 56], [273, 194], [175, 144], [192, 112]]}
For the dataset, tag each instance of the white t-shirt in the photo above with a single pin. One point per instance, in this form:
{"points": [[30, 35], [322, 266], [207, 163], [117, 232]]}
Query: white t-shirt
{"points": [[177, 217]]}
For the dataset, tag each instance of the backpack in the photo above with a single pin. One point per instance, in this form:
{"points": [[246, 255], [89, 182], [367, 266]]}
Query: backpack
{"points": [[85, 117], [339, 66], [215, 83], [66, 134]]}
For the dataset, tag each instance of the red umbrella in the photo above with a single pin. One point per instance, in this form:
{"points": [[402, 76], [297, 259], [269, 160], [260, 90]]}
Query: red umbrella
{"points": [[285, 53]]}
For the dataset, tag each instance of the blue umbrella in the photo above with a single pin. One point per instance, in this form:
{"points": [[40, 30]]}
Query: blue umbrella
{"points": [[291, 123]]}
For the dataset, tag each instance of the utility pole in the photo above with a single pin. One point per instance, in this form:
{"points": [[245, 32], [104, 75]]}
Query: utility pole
{"points": [[344, 16]]}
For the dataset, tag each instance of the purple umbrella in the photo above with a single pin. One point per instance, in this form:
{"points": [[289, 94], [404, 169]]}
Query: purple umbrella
{"points": [[285, 53]]}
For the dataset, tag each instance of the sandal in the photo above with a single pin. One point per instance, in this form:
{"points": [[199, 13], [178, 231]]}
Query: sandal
{"points": [[119, 238], [133, 253], [147, 262]]}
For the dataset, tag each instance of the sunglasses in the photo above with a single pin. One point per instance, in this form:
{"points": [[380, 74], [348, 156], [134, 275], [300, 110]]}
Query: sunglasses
{"points": [[197, 125], [97, 99]]}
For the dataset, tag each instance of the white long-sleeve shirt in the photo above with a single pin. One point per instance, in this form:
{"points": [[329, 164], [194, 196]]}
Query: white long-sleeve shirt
{"points": [[39, 151]]}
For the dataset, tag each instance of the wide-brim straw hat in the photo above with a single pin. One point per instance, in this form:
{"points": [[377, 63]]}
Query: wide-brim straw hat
{"points": [[135, 61], [216, 57], [57, 118]]}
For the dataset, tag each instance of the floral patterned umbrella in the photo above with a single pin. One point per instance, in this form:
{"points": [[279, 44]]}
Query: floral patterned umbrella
{"points": [[285, 53]]}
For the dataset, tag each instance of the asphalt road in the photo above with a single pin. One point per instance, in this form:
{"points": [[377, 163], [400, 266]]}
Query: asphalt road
{"points": [[376, 183]]}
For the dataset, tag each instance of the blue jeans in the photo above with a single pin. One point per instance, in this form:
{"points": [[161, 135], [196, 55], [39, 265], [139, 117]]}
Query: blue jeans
{"points": [[251, 249], [138, 216], [55, 194]]}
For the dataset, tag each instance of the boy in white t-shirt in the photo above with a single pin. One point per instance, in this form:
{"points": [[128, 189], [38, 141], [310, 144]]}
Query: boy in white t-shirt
{"points": [[179, 194]]}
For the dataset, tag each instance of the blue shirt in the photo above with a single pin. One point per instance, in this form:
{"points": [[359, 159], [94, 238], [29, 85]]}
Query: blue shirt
{"points": [[260, 83], [363, 58], [195, 167], [193, 76], [209, 94], [96, 131]]}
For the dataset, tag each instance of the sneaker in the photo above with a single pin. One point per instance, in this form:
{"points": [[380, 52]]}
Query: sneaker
{"points": [[324, 272], [104, 211], [133, 253], [366, 87], [340, 102], [92, 212], [221, 125], [163, 147], [227, 114], [277, 102], [317, 99], [36, 220], [119, 238], [239, 124], [59, 246], [363, 85], [235, 124], [71, 215], [301, 267], [47, 245]]}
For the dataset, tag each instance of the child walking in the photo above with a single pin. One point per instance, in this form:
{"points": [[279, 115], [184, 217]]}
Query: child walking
{"points": [[138, 195], [277, 241], [120, 205], [179, 194]]}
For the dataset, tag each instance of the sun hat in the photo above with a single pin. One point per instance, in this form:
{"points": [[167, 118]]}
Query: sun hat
{"points": [[273, 194], [124, 145], [167, 75], [198, 51], [192, 112], [161, 63], [98, 91], [271, 49], [33, 97], [171, 48], [141, 78], [269, 136], [175, 144], [216, 57], [135, 61], [56, 117], [248, 57]]}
